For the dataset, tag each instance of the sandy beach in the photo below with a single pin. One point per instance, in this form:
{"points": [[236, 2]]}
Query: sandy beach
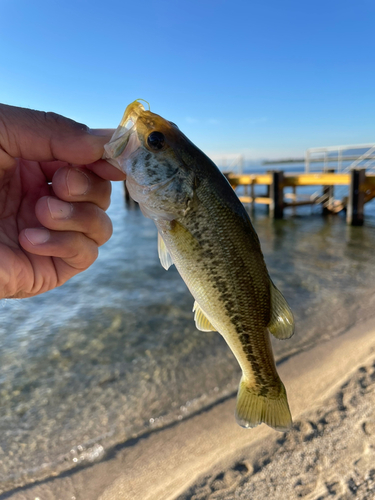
{"points": [[329, 453]]}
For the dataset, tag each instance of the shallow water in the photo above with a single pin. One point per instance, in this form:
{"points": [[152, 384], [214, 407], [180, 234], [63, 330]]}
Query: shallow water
{"points": [[114, 352]]}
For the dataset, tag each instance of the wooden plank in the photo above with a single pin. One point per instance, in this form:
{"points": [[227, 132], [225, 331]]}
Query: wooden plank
{"points": [[299, 203], [316, 179], [370, 195], [309, 179], [246, 179], [369, 182], [261, 200]]}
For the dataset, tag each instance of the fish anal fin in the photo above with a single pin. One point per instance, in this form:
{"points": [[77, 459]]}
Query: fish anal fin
{"points": [[281, 324], [253, 409], [201, 321], [164, 256]]}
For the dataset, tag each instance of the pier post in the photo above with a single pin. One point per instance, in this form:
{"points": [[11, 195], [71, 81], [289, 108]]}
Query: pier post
{"points": [[252, 187], [268, 192], [129, 202], [327, 194], [354, 215], [294, 192], [277, 194]]}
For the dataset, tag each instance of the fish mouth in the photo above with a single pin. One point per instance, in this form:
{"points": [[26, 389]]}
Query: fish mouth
{"points": [[124, 141]]}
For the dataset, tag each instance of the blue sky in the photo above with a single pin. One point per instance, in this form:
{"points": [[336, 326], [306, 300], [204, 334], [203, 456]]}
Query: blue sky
{"points": [[261, 78]]}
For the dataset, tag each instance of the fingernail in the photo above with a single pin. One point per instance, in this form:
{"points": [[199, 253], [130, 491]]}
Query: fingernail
{"points": [[59, 209], [37, 236], [78, 182]]}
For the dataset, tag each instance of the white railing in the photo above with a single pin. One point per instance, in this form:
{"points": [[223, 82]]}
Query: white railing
{"points": [[341, 158], [229, 163]]}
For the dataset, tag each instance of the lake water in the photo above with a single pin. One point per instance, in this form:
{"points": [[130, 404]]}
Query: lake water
{"points": [[114, 353]]}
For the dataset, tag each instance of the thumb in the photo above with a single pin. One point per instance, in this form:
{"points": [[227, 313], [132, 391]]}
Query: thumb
{"points": [[39, 136]]}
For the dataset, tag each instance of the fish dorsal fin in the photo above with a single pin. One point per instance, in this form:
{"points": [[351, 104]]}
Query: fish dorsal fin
{"points": [[281, 324], [201, 322], [164, 256]]}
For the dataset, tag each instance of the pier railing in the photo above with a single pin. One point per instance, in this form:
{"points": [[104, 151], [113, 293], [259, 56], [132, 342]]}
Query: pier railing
{"points": [[341, 158], [230, 162]]}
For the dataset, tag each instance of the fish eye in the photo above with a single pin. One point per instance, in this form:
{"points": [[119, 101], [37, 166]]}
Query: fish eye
{"points": [[156, 140]]}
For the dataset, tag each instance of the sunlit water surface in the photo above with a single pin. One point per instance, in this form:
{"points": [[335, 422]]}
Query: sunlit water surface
{"points": [[115, 353]]}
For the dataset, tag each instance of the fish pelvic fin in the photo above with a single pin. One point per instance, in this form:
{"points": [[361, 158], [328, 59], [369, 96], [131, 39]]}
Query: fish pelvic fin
{"points": [[164, 256], [281, 324], [253, 409], [201, 322]]}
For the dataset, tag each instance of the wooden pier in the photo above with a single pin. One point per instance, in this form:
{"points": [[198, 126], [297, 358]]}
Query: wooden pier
{"points": [[361, 190]]}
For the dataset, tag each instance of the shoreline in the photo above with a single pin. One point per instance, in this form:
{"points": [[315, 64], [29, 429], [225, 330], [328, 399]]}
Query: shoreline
{"points": [[170, 463]]}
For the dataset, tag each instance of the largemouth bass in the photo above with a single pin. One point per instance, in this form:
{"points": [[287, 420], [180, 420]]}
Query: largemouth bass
{"points": [[206, 232]]}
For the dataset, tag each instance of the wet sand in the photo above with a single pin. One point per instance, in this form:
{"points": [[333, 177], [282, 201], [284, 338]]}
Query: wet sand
{"points": [[330, 452]]}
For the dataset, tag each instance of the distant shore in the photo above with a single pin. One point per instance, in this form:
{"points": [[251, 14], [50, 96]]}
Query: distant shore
{"points": [[282, 161], [331, 389]]}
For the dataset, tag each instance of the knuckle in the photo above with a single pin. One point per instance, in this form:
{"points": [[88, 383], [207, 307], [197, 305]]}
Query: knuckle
{"points": [[8, 140], [100, 190], [105, 193], [104, 230], [108, 231], [83, 258], [63, 121]]}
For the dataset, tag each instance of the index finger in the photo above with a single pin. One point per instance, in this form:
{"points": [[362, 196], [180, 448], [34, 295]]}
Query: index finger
{"points": [[106, 171], [39, 136], [101, 168]]}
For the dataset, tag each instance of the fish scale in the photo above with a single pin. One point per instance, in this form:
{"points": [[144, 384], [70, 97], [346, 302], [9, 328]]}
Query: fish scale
{"points": [[205, 231], [234, 291]]}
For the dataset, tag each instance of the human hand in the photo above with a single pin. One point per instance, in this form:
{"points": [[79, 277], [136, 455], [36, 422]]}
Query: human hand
{"points": [[54, 190]]}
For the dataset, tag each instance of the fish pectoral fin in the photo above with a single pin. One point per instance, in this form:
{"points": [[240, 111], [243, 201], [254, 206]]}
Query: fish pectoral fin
{"points": [[281, 324], [201, 322], [164, 256]]}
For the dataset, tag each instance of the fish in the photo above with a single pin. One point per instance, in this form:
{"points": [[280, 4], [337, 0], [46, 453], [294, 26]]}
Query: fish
{"points": [[205, 231]]}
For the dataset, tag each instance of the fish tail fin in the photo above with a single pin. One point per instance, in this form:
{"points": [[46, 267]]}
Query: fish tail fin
{"points": [[252, 408]]}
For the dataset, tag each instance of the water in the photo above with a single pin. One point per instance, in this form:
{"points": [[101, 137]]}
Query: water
{"points": [[115, 353]]}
